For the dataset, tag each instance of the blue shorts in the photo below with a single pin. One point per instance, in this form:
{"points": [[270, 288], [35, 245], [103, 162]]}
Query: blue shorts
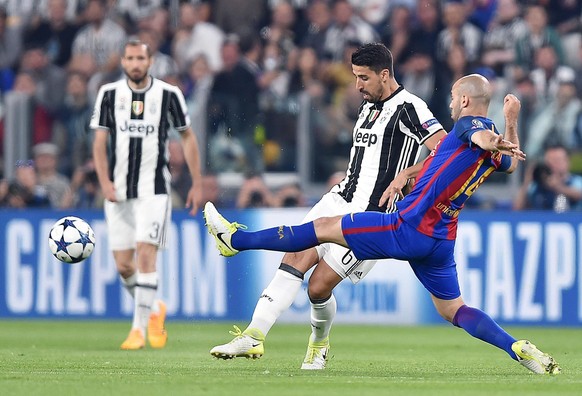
{"points": [[374, 235]]}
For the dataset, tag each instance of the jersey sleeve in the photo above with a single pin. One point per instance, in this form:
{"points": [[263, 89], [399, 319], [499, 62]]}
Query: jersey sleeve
{"points": [[418, 121], [466, 127], [103, 107], [178, 110]]}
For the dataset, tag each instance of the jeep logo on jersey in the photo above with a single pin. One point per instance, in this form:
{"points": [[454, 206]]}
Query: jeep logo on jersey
{"points": [[137, 129], [137, 107], [366, 139]]}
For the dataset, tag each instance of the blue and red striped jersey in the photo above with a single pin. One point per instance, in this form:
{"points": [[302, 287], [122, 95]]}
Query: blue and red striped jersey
{"points": [[450, 175]]}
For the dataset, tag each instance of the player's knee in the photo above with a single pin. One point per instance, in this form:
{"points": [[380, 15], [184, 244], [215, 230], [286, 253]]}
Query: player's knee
{"points": [[301, 261], [125, 268], [318, 289]]}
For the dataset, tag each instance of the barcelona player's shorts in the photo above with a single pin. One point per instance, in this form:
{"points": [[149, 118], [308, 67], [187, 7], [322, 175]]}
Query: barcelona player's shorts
{"points": [[372, 235]]}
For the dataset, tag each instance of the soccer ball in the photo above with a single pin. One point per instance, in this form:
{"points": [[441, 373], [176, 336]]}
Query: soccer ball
{"points": [[71, 240]]}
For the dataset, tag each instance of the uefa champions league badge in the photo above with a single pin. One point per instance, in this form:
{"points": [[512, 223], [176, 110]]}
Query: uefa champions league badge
{"points": [[477, 124]]}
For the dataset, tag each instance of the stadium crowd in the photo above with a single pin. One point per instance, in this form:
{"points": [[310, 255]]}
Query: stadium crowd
{"points": [[252, 69]]}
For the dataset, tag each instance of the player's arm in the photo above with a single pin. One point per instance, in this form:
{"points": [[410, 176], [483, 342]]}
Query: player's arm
{"points": [[101, 165], [192, 156], [508, 144], [404, 181]]}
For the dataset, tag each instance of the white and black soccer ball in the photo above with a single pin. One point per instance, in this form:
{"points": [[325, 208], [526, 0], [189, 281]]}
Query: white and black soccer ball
{"points": [[71, 240]]}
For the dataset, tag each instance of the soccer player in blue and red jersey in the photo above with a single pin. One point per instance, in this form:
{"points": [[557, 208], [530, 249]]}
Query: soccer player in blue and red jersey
{"points": [[424, 229]]}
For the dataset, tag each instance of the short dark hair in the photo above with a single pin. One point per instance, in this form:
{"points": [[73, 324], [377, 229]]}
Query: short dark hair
{"points": [[376, 56], [136, 42]]}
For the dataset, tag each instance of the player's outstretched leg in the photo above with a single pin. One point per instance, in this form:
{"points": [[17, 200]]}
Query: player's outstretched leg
{"points": [[480, 325], [247, 344], [230, 240]]}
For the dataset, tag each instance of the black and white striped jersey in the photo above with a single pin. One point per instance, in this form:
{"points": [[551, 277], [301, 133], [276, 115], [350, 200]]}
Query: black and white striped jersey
{"points": [[138, 123], [388, 137]]}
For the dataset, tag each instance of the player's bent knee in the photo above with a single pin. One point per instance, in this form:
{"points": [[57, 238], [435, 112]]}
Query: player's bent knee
{"points": [[329, 229], [301, 261]]}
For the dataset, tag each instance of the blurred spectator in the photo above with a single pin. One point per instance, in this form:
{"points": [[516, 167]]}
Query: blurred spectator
{"points": [[396, 33], [24, 191], [205, 39], [135, 10], [101, 37], [211, 192], [10, 50], [71, 131], [49, 79], [163, 66], [346, 27], [289, 196], [500, 39], [564, 16], [57, 186], [279, 33], [319, 17], [548, 74], [537, 35], [234, 100], [254, 193], [42, 120], [525, 91], [241, 17], [482, 12], [458, 31], [197, 85], [187, 18], [418, 60], [158, 21], [549, 185], [375, 12], [55, 33], [555, 123], [305, 76], [85, 187]]}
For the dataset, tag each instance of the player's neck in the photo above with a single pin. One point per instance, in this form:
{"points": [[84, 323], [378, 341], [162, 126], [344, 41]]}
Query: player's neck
{"points": [[143, 84], [392, 86]]}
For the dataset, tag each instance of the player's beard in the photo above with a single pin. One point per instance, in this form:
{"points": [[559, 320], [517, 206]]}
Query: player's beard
{"points": [[136, 81]]}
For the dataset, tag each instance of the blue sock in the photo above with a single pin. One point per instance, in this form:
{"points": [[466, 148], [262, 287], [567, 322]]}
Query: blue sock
{"points": [[481, 326], [281, 239]]}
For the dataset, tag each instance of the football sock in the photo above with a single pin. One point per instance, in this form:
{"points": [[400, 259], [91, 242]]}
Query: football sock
{"points": [[276, 298], [282, 238], [129, 283], [145, 293], [481, 326], [322, 315]]}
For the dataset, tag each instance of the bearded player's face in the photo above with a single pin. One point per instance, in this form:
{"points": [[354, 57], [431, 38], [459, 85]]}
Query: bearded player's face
{"points": [[136, 62]]}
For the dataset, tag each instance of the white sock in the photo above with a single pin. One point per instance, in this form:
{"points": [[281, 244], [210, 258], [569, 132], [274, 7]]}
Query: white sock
{"points": [[129, 283], [145, 293], [275, 299], [322, 315]]}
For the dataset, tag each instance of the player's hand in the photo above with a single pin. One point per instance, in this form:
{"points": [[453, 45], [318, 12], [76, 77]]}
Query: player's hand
{"points": [[394, 191], [109, 191], [508, 148], [511, 107], [193, 199]]}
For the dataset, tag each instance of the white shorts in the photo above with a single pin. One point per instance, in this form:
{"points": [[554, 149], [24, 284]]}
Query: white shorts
{"points": [[138, 220], [339, 258]]}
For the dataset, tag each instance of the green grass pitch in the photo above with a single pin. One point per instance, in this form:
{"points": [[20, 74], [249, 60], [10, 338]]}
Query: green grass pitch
{"points": [[82, 358]]}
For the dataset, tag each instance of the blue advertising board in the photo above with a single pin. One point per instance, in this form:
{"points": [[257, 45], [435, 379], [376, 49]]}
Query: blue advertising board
{"points": [[520, 267]]}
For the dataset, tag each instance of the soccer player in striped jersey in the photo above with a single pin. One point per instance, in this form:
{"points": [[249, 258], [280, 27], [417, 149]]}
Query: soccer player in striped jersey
{"points": [[131, 120], [392, 127], [424, 229]]}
